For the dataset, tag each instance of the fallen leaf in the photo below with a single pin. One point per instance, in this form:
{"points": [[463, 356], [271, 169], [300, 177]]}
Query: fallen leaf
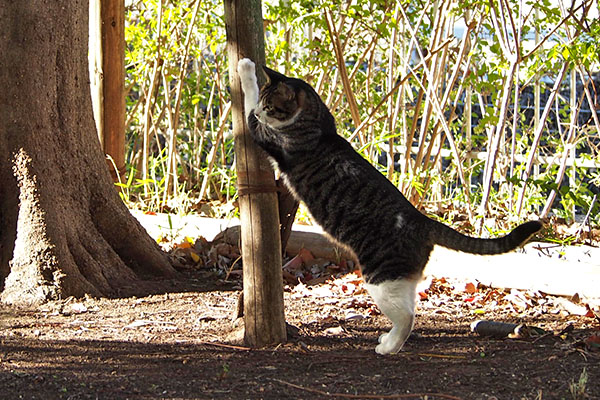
{"points": [[162, 239], [137, 324], [593, 342], [322, 291], [351, 315], [517, 298], [470, 288], [317, 281], [338, 330], [294, 264], [288, 277], [570, 307], [78, 308], [591, 313], [183, 245], [306, 255]]}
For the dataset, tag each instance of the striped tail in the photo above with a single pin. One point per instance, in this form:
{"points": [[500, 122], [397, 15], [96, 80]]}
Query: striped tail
{"points": [[448, 237]]}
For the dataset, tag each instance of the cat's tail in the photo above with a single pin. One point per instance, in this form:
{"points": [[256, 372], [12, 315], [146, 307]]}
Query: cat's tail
{"points": [[448, 237]]}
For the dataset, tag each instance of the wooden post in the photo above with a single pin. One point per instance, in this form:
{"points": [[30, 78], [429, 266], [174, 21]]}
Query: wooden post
{"points": [[107, 75], [261, 247]]}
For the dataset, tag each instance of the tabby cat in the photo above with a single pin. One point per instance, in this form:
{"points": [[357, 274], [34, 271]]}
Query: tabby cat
{"points": [[352, 201]]}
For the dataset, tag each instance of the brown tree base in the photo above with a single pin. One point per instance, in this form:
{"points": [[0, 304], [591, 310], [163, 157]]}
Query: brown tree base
{"points": [[82, 243]]}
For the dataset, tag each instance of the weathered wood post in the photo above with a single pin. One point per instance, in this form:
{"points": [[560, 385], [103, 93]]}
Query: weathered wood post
{"points": [[261, 246], [107, 77]]}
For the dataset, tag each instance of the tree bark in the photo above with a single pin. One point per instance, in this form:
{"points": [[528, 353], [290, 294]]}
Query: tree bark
{"points": [[63, 229], [264, 320]]}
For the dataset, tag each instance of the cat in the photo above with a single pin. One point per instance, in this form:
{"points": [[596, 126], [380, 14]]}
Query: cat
{"points": [[351, 200]]}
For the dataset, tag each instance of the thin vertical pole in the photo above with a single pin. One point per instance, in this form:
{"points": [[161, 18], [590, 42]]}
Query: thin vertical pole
{"points": [[264, 320]]}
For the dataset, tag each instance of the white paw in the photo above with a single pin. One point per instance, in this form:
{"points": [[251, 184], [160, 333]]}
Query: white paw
{"points": [[387, 348], [382, 349], [391, 342], [246, 70], [246, 67], [383, 346]]}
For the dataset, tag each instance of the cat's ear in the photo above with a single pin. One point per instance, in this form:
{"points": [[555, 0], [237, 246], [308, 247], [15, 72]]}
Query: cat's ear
{"points": [[273, 76]]}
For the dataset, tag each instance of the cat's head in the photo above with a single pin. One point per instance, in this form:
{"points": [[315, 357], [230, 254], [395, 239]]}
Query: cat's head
{"points": [[283, 100]]}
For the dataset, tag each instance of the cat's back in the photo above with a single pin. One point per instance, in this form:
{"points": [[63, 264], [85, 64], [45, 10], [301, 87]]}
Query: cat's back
{"points": [[343, 191], [335, 165]]}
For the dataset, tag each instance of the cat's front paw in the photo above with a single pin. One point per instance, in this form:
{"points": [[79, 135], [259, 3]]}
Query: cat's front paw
{"points": [[246, 68], [246, 71]]}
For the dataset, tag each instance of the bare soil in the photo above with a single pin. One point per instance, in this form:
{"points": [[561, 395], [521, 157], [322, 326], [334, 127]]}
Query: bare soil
{"points": [[176, 339]]}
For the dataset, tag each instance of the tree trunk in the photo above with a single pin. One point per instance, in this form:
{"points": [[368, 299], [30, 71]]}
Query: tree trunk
{"points": [[63, 229], [264, 320]]}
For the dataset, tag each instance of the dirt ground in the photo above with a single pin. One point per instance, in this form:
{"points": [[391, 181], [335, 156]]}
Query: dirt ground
{"points": [[177, 340]]}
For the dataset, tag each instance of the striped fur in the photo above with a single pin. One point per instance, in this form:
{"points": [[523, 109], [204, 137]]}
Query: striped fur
{"points": [[346, 195]]}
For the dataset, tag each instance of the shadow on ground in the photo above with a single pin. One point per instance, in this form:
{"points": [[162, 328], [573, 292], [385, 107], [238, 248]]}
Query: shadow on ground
{"points": [[453, 364]]}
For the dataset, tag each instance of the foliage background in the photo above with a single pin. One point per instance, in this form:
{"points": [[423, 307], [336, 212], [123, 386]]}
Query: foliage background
{"points": [[442, 78]]}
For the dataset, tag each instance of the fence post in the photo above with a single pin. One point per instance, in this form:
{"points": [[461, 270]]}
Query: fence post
{"points": [[107, 77], [264, 320]]}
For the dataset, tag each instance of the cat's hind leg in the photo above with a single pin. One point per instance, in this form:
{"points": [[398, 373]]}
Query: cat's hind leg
{"points": [[397, 300], [247, 72]]}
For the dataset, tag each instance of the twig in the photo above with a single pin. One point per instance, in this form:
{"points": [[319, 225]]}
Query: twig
{"points": [[551, 33], [569, 148], [586, 218], [214, 150], [227, 346], [368, 396], [399, 83], [337, 47], [538, 134], [171, 170], [231, 268], [432, 355]]}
